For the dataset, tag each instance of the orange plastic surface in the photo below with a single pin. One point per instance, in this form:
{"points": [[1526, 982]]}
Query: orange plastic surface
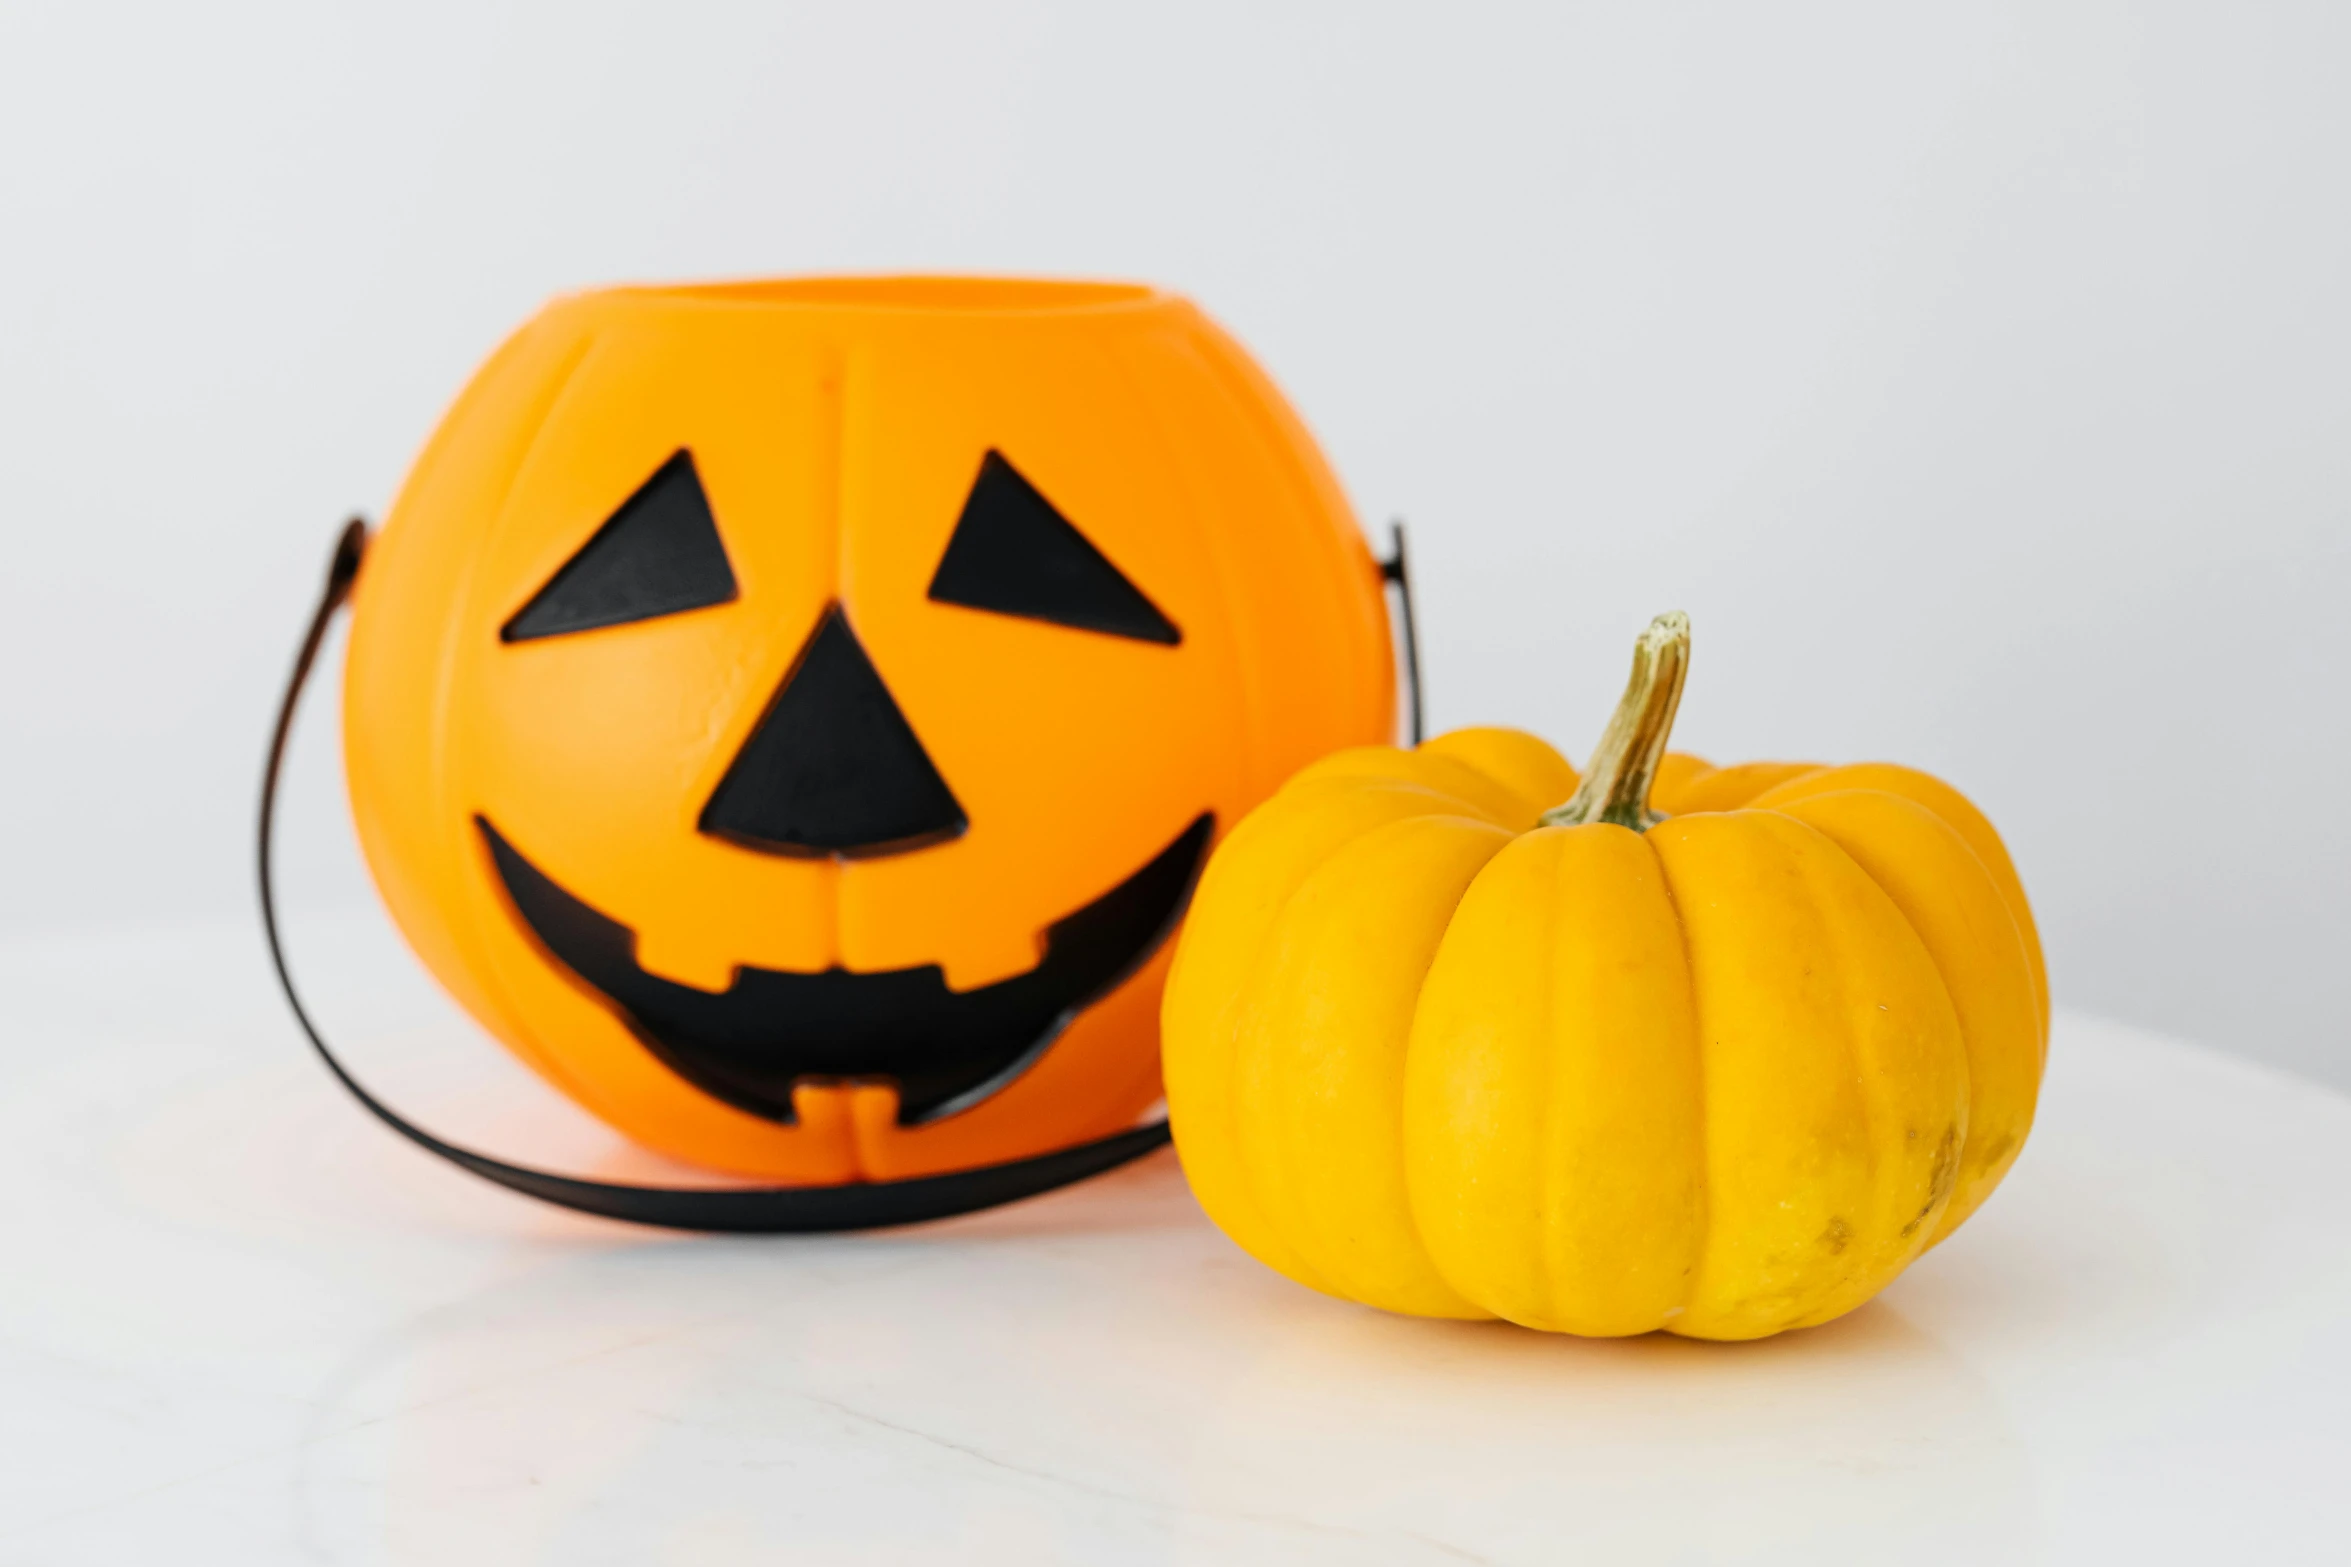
{"points": [[837, 425]]}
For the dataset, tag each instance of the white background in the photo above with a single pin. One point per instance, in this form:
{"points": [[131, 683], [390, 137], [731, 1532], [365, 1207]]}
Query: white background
{"points": [[1976, 377]]}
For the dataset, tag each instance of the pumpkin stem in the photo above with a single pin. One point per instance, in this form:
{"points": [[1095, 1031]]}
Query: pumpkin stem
{"points": [[1615, 786]]}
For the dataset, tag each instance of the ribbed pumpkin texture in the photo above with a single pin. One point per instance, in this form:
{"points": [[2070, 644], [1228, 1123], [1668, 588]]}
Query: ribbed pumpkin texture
{"points": [[1713, 1050]]}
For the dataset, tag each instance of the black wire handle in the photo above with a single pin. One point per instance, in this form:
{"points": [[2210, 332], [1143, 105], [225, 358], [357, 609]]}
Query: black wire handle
{"points": [[1397, 568], [740, 1210]]}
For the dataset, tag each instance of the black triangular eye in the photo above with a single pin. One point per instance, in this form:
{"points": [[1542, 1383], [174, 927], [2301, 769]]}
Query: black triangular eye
{"points": [[1014, 554], [659, 554]]}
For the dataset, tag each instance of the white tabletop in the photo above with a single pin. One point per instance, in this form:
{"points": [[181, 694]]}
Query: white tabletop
{"points": [[243, 1324]]}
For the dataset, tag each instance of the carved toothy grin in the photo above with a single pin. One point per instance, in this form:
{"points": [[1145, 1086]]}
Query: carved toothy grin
{"points": [[944, 1050]]}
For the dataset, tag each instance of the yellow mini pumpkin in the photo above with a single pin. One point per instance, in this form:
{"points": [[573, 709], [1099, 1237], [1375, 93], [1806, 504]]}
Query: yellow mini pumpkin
{"points": [[1714, 1050]]}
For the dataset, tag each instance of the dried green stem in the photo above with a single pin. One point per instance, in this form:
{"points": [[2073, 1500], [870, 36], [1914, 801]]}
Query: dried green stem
{"points": [[1616, 782]]}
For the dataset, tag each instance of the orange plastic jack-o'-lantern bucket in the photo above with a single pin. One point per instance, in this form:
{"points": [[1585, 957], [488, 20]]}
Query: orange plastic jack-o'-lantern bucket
{"points": [[791, 715]]}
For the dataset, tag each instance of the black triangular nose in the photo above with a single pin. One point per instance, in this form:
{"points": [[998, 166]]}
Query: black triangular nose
{"points": [[833, 768]]}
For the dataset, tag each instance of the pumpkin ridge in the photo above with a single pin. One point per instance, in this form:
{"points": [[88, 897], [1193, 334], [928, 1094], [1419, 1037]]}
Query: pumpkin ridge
{"points": [[1700, 1176], [1975, 943], [1275, 819], [1858, 1285], [1790, 938], [1964, 817], [1550, 1149], [1303, 1050]]}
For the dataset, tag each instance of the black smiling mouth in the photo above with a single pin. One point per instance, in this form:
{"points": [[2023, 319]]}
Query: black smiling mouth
{"points": [[944, 1050]]}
